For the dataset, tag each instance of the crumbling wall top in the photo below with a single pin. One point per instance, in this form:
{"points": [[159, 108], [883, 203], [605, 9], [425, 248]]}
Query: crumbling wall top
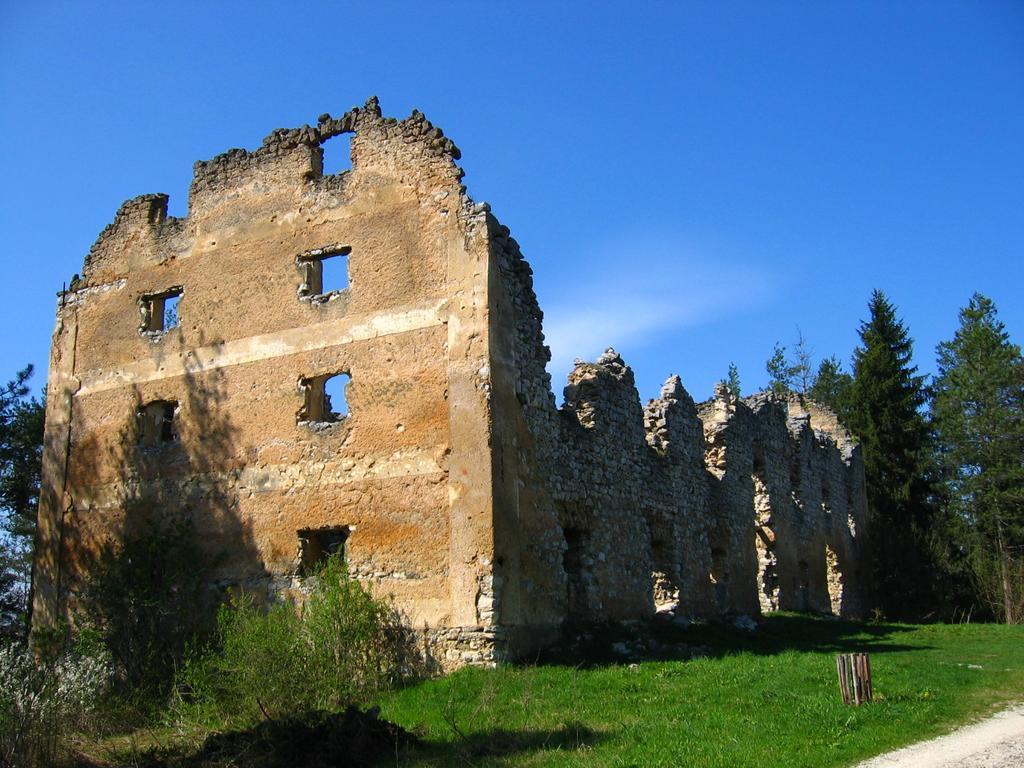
{"points": [[822, 419], [601, 392], [143, 218], [281, 141], [671, 422], [289, 159]]}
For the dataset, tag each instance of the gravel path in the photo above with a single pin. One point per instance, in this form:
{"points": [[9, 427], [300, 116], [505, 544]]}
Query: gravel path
{"points": [[994, 743]]}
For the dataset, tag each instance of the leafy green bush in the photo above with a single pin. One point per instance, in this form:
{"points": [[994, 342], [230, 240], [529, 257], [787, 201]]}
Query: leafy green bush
{"points": [[341, 647]]}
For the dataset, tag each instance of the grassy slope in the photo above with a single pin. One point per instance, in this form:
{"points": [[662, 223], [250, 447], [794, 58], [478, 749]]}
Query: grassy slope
{"points": [[770, 698]]}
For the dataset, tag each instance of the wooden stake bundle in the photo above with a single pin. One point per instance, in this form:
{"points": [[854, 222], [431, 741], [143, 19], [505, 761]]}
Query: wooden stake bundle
{"points": [[854, 677]]}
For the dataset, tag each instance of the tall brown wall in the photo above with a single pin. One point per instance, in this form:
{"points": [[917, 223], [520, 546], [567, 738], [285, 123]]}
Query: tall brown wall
{"points": [[407, 471]]}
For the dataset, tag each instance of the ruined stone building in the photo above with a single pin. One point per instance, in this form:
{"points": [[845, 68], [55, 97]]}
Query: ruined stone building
{"points": [[192, 372]]}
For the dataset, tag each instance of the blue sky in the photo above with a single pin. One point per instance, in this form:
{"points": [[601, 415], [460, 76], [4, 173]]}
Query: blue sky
{"points": [[691, 182]]}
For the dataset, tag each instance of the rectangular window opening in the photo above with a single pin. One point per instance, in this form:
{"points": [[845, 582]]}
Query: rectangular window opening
{"points": [[337, 154], [157, 423], [160, 311], [335, 399], [719, 577], [574, 565], [171, 311], [324, 271], [334, 273], [572, 558], [758, 456], [719, 566], [316, 545], [326, 400]]}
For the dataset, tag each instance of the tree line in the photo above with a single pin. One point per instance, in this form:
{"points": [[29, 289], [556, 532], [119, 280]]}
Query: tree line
{"points": [[21, 451], [943, 459]]}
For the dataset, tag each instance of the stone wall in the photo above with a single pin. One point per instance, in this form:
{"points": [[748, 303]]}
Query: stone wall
{"points": [[449, 479], [622, 510]]}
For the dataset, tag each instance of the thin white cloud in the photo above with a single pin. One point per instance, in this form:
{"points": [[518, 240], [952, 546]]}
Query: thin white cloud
{"points": [[639, 295]]}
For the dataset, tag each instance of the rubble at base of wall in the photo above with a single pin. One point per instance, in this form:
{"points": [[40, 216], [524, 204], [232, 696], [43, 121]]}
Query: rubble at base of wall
{"points": [[452, 647]]}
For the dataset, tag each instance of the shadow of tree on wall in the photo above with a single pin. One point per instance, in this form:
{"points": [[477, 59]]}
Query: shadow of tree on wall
{"points": [[661, 639], [147, 558]]}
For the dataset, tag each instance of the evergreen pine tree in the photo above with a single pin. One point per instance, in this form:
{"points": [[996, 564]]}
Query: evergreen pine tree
{"points": [[978, 414], [733, 382], [884, 413], [21, 440], [831, 387], [780, 371]]}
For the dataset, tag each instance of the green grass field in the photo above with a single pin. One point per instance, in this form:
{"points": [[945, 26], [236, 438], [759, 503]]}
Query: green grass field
{"points": [[748, 699]]}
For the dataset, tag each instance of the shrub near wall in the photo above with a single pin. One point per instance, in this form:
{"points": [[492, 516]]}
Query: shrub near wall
{"points": [[44, 703], [341, 647], [146, 600]]}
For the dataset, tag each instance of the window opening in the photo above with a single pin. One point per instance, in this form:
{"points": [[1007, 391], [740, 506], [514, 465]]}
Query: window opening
{"points": [[795, 482], [334, 273], [719, 572], [572, 559], [805, 578], [573, 563], [794, 477], [719, 577], [335, 400], [324, 271], [758, 456], [326, 399], [156, 423], [663, 575], [337, 154], [160, 311], [318, 544], [803, 585], [171, 311]]}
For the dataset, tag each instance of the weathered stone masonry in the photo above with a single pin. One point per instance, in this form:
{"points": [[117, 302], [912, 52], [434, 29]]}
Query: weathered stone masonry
{"points": [[448, 477]]}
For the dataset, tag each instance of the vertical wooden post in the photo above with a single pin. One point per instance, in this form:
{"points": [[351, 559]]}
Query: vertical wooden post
{"points": [[854, 670]]}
